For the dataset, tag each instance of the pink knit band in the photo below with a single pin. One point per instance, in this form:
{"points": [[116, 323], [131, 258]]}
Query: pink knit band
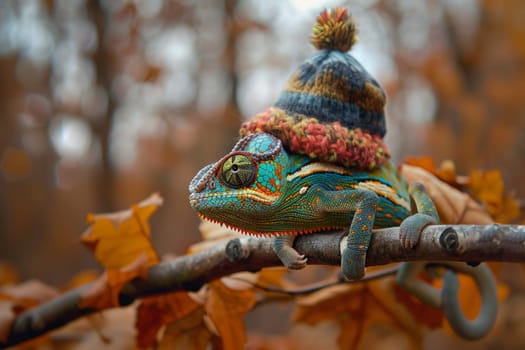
{"points": [[330, 142]]}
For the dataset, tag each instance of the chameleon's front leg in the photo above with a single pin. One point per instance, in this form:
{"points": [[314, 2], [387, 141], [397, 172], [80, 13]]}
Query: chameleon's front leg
{"points": [[363, 204], [283, 248]]}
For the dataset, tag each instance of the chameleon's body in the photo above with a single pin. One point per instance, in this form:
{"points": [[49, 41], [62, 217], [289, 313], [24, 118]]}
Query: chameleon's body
{"points": [[260, 188], [331, 110]]}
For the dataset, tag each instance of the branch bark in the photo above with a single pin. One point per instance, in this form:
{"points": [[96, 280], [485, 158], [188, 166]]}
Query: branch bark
{"points": [[469, 243]]}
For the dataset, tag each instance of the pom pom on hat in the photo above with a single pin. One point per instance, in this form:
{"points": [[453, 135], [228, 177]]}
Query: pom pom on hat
{"points": [[334, 30]]}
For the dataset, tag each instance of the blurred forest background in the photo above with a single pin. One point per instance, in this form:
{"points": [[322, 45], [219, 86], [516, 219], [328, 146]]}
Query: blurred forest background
{"points": [[104, 102]]}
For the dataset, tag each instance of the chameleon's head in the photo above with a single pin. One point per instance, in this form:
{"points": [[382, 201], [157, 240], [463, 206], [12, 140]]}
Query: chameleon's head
{"points": [[245, 183]]}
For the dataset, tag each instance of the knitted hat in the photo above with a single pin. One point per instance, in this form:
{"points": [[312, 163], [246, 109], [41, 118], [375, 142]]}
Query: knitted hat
{"points": [[332, 108]]}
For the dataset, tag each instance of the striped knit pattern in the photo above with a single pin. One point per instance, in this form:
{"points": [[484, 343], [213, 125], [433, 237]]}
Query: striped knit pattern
{"points": [[329, 142]]}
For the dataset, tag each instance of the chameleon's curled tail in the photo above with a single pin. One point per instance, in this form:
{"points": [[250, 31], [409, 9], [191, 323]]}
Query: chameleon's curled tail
{"points": [[447, 298], [489, 301]]}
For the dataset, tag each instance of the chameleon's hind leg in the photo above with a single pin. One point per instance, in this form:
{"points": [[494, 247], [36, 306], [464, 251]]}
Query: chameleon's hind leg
{"points": [[427, 214], [283, 247]]}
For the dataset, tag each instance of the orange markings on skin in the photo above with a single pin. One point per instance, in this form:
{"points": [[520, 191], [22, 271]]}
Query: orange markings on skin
{"points": [[358, 211], [388, 215], [364, 227], [339, 188], [336, 197]]}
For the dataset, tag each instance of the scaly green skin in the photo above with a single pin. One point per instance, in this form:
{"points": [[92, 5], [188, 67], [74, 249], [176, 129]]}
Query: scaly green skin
{"points": [[261, 189]]}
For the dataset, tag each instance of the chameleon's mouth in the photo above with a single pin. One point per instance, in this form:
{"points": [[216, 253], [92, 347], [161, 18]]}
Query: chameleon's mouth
{"points": [[263, 233]]}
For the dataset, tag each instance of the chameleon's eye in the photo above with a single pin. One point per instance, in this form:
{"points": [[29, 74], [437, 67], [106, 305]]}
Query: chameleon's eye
{"points": [[238, 171]]}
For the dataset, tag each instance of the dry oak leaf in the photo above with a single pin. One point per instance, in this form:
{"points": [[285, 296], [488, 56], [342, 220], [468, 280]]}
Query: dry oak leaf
{"points": [[225, 308], [117, 239], [156, 312], [454, 206], [104, 292], [356, 308]]}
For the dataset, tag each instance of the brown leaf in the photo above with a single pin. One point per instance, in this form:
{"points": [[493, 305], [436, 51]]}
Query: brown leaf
{"points": [[159, 311], [104, 293], [189, 333], [117, 239], [454, 206], [226, 309]]}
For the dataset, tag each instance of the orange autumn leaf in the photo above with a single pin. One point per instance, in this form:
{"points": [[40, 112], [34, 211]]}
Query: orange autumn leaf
{"points": [[356, 308], [488, 187], [159, 311], [104, 292], [426, 163], [117, 239], [226, 308]]}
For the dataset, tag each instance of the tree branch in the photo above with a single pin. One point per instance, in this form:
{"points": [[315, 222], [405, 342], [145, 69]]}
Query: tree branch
{"points": [[469, 243]]}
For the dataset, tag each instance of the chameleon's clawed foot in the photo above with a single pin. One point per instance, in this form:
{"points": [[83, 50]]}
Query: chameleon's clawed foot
{"points": [[283, 248], [352, 266], [292, 259], [411, 229]]}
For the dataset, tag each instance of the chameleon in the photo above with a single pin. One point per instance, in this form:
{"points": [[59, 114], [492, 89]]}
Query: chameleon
{"points": [[262, 189]]}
